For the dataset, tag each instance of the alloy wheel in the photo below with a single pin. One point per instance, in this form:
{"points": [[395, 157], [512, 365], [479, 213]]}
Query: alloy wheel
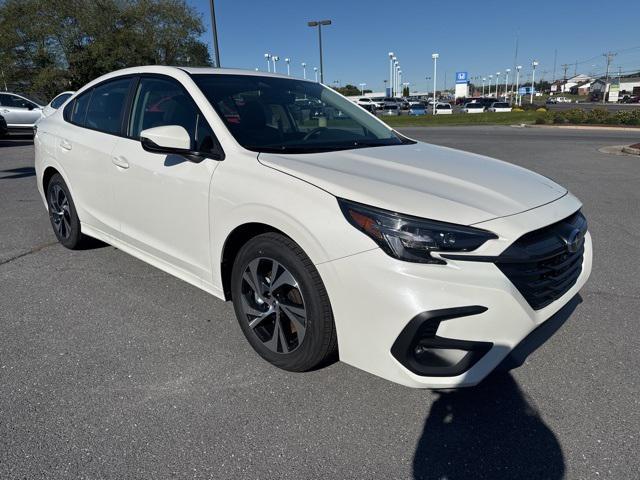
{"points": [[273, 305], [60, 211]]}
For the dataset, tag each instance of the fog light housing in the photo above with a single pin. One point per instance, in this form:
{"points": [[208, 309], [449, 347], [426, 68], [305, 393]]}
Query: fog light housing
{"points": [[421, 351]]}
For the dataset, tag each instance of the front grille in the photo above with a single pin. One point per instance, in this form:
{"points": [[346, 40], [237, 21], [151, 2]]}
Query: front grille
{"points": [[544, 264]]}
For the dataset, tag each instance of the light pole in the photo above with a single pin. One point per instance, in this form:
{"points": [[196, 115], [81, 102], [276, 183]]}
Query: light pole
{"points": [[304, 70], [483, 80], [506, 83], [435, 75], [362, 85], [267, 57], [315, 70], [274, 59], [490, 80], [396, 66], [319, 24], [214, 32], [534, 64], [400, 82], [497, 80], [518, 68], [390, 92], [287, 60]]}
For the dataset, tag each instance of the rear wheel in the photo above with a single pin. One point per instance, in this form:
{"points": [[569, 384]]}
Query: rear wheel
{"points": [[281, 304], [62, 213]]}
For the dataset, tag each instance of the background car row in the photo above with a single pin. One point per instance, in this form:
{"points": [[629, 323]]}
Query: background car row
{"points": [[19, 114]]}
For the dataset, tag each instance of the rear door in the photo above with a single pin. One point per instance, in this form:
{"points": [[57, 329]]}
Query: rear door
{"points": [[93, 124], [163, 200]]}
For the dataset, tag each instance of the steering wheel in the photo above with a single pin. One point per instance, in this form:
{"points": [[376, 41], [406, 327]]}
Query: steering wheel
{"points": [[315, 132]]}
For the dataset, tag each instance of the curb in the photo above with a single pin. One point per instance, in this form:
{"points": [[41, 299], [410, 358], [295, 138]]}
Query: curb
{"points": [[585, 127]]}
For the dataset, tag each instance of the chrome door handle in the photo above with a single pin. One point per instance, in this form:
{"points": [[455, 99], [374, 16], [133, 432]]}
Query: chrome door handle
{"points": [[120, 162], [65, 144]]}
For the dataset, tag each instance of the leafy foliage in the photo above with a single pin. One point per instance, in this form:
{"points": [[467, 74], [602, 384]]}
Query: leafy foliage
{"points": [[47, 46]]}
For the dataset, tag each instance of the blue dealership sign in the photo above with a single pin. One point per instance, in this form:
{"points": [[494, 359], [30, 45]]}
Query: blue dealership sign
{"points": [[462, 77], [526, 91]]}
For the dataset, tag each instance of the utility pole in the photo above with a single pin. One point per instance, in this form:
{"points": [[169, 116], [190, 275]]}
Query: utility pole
{"points": [[575, 69], [555, 60], [609, 56], [214, 32]]}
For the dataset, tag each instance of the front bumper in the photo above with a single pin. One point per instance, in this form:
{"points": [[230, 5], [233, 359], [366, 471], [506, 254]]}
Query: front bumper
{"points": [[374, 297]]}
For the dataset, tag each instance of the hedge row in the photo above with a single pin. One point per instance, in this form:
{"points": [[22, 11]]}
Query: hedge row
{"points": [[598, 116]]}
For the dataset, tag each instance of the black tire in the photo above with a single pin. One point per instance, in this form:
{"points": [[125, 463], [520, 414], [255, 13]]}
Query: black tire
{"points": [[62, 213], [319, 343]]}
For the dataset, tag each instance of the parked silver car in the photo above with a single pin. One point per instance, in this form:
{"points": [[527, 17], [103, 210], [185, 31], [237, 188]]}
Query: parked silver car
{"points": [[20, 113]]}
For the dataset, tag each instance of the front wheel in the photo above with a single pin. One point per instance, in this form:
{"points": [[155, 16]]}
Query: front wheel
{"points": [[282, 305]]}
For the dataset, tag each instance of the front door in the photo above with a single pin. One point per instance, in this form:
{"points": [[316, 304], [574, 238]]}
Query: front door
{"points": [[163, 200]]}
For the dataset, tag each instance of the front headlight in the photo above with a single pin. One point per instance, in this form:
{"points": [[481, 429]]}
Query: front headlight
{"points": [[412, 239]]}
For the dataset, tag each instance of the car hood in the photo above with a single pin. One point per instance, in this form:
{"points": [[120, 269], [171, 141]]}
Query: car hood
{"points": [[424, 180]]}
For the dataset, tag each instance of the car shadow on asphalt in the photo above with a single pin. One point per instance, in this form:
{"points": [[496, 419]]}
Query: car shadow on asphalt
{"points": [[17, 142], [491, 431], [14, 173]]}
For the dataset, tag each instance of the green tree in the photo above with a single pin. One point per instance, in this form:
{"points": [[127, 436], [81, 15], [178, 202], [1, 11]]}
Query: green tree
{"points": [[51, 45]]}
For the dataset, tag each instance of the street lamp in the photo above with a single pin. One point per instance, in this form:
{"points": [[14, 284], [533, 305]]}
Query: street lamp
{"points": [[396, 66], [483, 80], [506, 82], [315, 70], [304, 70], [534, 64], [490, 80], [362, 85], [400, 81], [497, 88], [319, 24], [518, 68], [267, 57], [391, 57], [287, 60], [435, 57], [274, 59]]}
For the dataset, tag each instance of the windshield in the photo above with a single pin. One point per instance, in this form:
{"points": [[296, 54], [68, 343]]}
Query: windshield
{"points": [[271, 114], [501, 105]]}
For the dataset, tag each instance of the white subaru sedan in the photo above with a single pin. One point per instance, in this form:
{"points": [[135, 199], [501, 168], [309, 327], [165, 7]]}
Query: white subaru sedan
{"points": [[331, 233]]}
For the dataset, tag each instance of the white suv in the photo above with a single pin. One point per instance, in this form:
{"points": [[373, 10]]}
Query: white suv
{"points": [[328, 230]]}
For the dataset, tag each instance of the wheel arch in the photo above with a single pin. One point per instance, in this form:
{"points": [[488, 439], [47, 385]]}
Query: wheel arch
{"points": [[236, 239]]}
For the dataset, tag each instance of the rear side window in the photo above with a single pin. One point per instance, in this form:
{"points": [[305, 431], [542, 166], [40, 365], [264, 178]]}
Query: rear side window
{"points": [[59, 100], [76, 111], [106, 106], [159, 102]]}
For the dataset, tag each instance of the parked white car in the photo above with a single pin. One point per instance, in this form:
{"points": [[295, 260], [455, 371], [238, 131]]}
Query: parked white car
{"points": [[474, 107], [20, 113], [499, 107], [418, 263], [56, 103], [441, 109], [562, 100]]}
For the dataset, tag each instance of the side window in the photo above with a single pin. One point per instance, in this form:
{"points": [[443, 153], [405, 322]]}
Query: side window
{"points": [[76, 111], [104, 112], [160, 102], [59, 100], [5, 100]]}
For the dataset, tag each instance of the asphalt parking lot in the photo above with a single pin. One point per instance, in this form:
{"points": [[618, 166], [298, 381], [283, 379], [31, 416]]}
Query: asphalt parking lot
{"points": [[110, 368]]}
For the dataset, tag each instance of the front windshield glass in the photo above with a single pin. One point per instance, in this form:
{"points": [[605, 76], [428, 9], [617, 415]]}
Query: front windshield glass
{"points": [[271, 114]]}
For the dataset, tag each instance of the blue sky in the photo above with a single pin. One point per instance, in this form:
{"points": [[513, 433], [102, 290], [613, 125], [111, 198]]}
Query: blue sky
{"points": [[474, 36]]}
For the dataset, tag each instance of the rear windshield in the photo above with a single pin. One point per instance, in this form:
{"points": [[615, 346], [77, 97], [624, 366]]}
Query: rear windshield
{"points": [[444, 106], [501, 105], [474, 105]]}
